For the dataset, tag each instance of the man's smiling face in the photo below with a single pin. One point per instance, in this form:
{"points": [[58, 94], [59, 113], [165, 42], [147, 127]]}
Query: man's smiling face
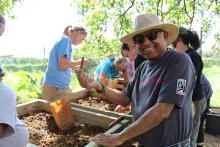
{"points": [[151, 44]]}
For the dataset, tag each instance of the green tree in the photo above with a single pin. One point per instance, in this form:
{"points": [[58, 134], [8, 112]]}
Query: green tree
{"points": [[103, 16], [216, 46], [6, 6]]}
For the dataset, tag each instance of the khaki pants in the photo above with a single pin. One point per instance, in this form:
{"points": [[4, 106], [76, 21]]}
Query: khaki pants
{"points": [[200, 106], [50, 92]]}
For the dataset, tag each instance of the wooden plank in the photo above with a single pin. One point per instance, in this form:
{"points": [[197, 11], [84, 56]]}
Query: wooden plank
{"points": [[215, 110], [114, 129], [28, 107], [82, 114], [104, 112], [35, 105], [97, 117], [91, 118], [72, 96], [77, 94]]}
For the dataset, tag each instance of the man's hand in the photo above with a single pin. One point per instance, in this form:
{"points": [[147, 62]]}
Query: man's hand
{"points": [[85, 81], [120, 87], [125, 75], [109, 140], [122, 109]]}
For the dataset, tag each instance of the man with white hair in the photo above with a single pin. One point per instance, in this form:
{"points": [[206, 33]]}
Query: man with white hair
{"points": [[160, 91]]}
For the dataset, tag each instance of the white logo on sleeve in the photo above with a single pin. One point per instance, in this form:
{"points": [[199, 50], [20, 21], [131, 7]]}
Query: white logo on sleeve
{"points": [[180, 87]]}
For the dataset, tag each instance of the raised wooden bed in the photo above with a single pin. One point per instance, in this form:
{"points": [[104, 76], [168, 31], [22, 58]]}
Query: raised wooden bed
{"points": [[83, 95], [213, 121], [84, 115]]}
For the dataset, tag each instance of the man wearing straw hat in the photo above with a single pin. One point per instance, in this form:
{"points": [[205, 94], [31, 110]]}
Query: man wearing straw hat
{"points": [[160, 92]]}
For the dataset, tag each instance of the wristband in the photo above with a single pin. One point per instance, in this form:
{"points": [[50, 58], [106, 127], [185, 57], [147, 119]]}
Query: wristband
{"points": [[102, 89]]}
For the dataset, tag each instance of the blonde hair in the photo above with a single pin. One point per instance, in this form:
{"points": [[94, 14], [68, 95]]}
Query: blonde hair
{"points": [[69, 29]]}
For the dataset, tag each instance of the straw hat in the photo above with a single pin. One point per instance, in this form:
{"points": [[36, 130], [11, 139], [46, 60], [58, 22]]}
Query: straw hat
{"points": [[146, 22]]}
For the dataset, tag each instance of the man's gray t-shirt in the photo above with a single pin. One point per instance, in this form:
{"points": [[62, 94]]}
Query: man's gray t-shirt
{"points": [[168, 80]]}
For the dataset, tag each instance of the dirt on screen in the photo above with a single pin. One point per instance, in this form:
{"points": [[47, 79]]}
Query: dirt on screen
{"points": [[95, 102]]}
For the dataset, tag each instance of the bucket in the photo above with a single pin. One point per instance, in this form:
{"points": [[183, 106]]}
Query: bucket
{"points": [[62, 114], [213, 121]]}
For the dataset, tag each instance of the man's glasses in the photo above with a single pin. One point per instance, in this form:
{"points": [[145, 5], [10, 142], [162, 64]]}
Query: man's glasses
{"points": [[152, 35]]}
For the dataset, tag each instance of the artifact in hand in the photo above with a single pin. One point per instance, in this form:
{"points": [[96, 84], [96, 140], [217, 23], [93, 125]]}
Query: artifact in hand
{"points": [[81, 64]]}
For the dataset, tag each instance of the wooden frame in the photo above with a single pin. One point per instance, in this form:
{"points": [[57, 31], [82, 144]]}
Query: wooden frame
{"points": [[82, 114]]}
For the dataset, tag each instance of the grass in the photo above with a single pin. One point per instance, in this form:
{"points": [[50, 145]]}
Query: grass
{"points": [[213, 74]]}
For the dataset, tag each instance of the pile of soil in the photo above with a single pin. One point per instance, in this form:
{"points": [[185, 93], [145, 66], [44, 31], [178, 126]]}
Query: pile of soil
{"points": [[99, 103], [44, 132]]}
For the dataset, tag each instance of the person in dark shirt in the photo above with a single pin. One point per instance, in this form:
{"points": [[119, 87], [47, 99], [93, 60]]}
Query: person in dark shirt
{"points": [[188, 42], [138, 60], [208, 94], [160, 91]]}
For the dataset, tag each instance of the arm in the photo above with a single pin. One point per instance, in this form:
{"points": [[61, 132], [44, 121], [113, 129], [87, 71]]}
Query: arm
{"points": [[122, 109], [64, 63], [151, 118], [114, 96]]}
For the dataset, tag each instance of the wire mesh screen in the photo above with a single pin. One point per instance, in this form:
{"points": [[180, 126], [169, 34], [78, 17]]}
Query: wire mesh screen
{"points": [[90, 68], [94, 62]]}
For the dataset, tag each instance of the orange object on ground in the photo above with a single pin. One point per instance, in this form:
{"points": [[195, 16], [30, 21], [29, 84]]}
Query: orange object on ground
{"points": [[62, 114]]}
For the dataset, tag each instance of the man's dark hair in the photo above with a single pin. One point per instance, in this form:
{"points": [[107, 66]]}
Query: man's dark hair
{"points": [[124, 46], [189, 38]]}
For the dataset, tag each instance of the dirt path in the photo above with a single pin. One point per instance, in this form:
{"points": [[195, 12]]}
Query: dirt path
{"points": [[212, 140]]}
